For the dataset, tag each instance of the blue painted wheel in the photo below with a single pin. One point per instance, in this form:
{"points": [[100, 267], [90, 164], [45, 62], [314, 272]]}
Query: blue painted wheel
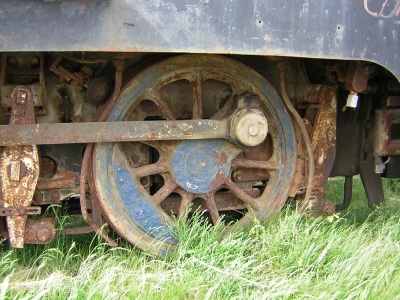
{"points": [[140, 186]]}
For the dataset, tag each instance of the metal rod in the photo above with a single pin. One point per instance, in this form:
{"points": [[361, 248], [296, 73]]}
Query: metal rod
{"points": [[97, 132], [348, 192]]}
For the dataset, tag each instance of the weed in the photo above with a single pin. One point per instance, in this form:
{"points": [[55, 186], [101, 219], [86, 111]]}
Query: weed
{"points": [[352, 255]]}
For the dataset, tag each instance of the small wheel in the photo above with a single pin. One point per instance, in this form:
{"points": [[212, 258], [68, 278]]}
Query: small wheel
{"points": [[143, 187]]}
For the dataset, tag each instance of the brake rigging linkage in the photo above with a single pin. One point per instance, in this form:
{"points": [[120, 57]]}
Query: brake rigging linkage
{"points": [[320, 145], [101, 115], [306, 139]]}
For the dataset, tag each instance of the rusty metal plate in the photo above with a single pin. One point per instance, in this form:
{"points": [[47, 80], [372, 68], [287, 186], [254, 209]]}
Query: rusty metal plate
{"points": [[384, 144], [20, 211], [323, 139], [23, 69], [19, 168]]}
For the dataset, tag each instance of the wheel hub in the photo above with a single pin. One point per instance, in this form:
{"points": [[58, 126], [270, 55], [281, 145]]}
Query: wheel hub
{"points": [[249, 127], [201, 166]]}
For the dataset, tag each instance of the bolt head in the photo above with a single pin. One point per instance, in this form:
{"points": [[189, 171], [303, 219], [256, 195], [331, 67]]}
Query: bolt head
{"points": [[253, 130], [35, 61], [12, 61]]}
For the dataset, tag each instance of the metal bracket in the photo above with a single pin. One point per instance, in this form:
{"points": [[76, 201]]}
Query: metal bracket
{"points": [[384, 143], [20, 211], [81, 78], [19, 170], [371, 180], [20, 68], [323, 142]]}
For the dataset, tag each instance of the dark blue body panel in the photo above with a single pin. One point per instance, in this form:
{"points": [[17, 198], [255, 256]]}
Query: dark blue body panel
{"points": [[341, 29]]}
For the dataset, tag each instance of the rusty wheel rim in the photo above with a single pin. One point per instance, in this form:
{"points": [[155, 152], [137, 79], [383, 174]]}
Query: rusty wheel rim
{"points": [[138, 186]]}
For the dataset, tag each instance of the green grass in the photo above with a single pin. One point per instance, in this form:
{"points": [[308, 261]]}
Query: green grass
{"points": [[353, 255]]}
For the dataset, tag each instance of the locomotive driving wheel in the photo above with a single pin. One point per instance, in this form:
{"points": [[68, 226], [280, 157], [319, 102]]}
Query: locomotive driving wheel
{"points": [[143, 186]]}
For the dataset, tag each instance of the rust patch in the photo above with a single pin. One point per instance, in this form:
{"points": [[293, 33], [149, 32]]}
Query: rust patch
{"points": [[321, 207], [313, 94], [219, 179], [78, 230], [39, 231], [357, 78], [222, 158], [47, 166], [323, 140], [384, 143]]}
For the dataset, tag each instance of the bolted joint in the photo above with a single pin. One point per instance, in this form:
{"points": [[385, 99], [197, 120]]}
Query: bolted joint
{"points": [[249, 127]]}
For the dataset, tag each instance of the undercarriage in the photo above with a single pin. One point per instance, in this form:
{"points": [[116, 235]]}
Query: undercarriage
{"points": [[143, 140]]}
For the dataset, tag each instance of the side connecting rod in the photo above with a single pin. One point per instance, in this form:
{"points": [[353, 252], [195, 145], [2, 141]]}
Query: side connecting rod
{"points": [[244, 126], [97, 132]]}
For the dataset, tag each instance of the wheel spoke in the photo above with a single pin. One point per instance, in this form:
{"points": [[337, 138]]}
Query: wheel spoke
{"points": [[164, 192], [212, 208], [255, 164], [137, 173], [155, 95], [120, 158], [240, 193], [187, 199], [197, 97], [224, 110], [161, 146], [155, 144], [153, 169]]}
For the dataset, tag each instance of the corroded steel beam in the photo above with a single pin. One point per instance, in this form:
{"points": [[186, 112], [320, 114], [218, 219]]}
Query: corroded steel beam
{"points": [[97, 132]]}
